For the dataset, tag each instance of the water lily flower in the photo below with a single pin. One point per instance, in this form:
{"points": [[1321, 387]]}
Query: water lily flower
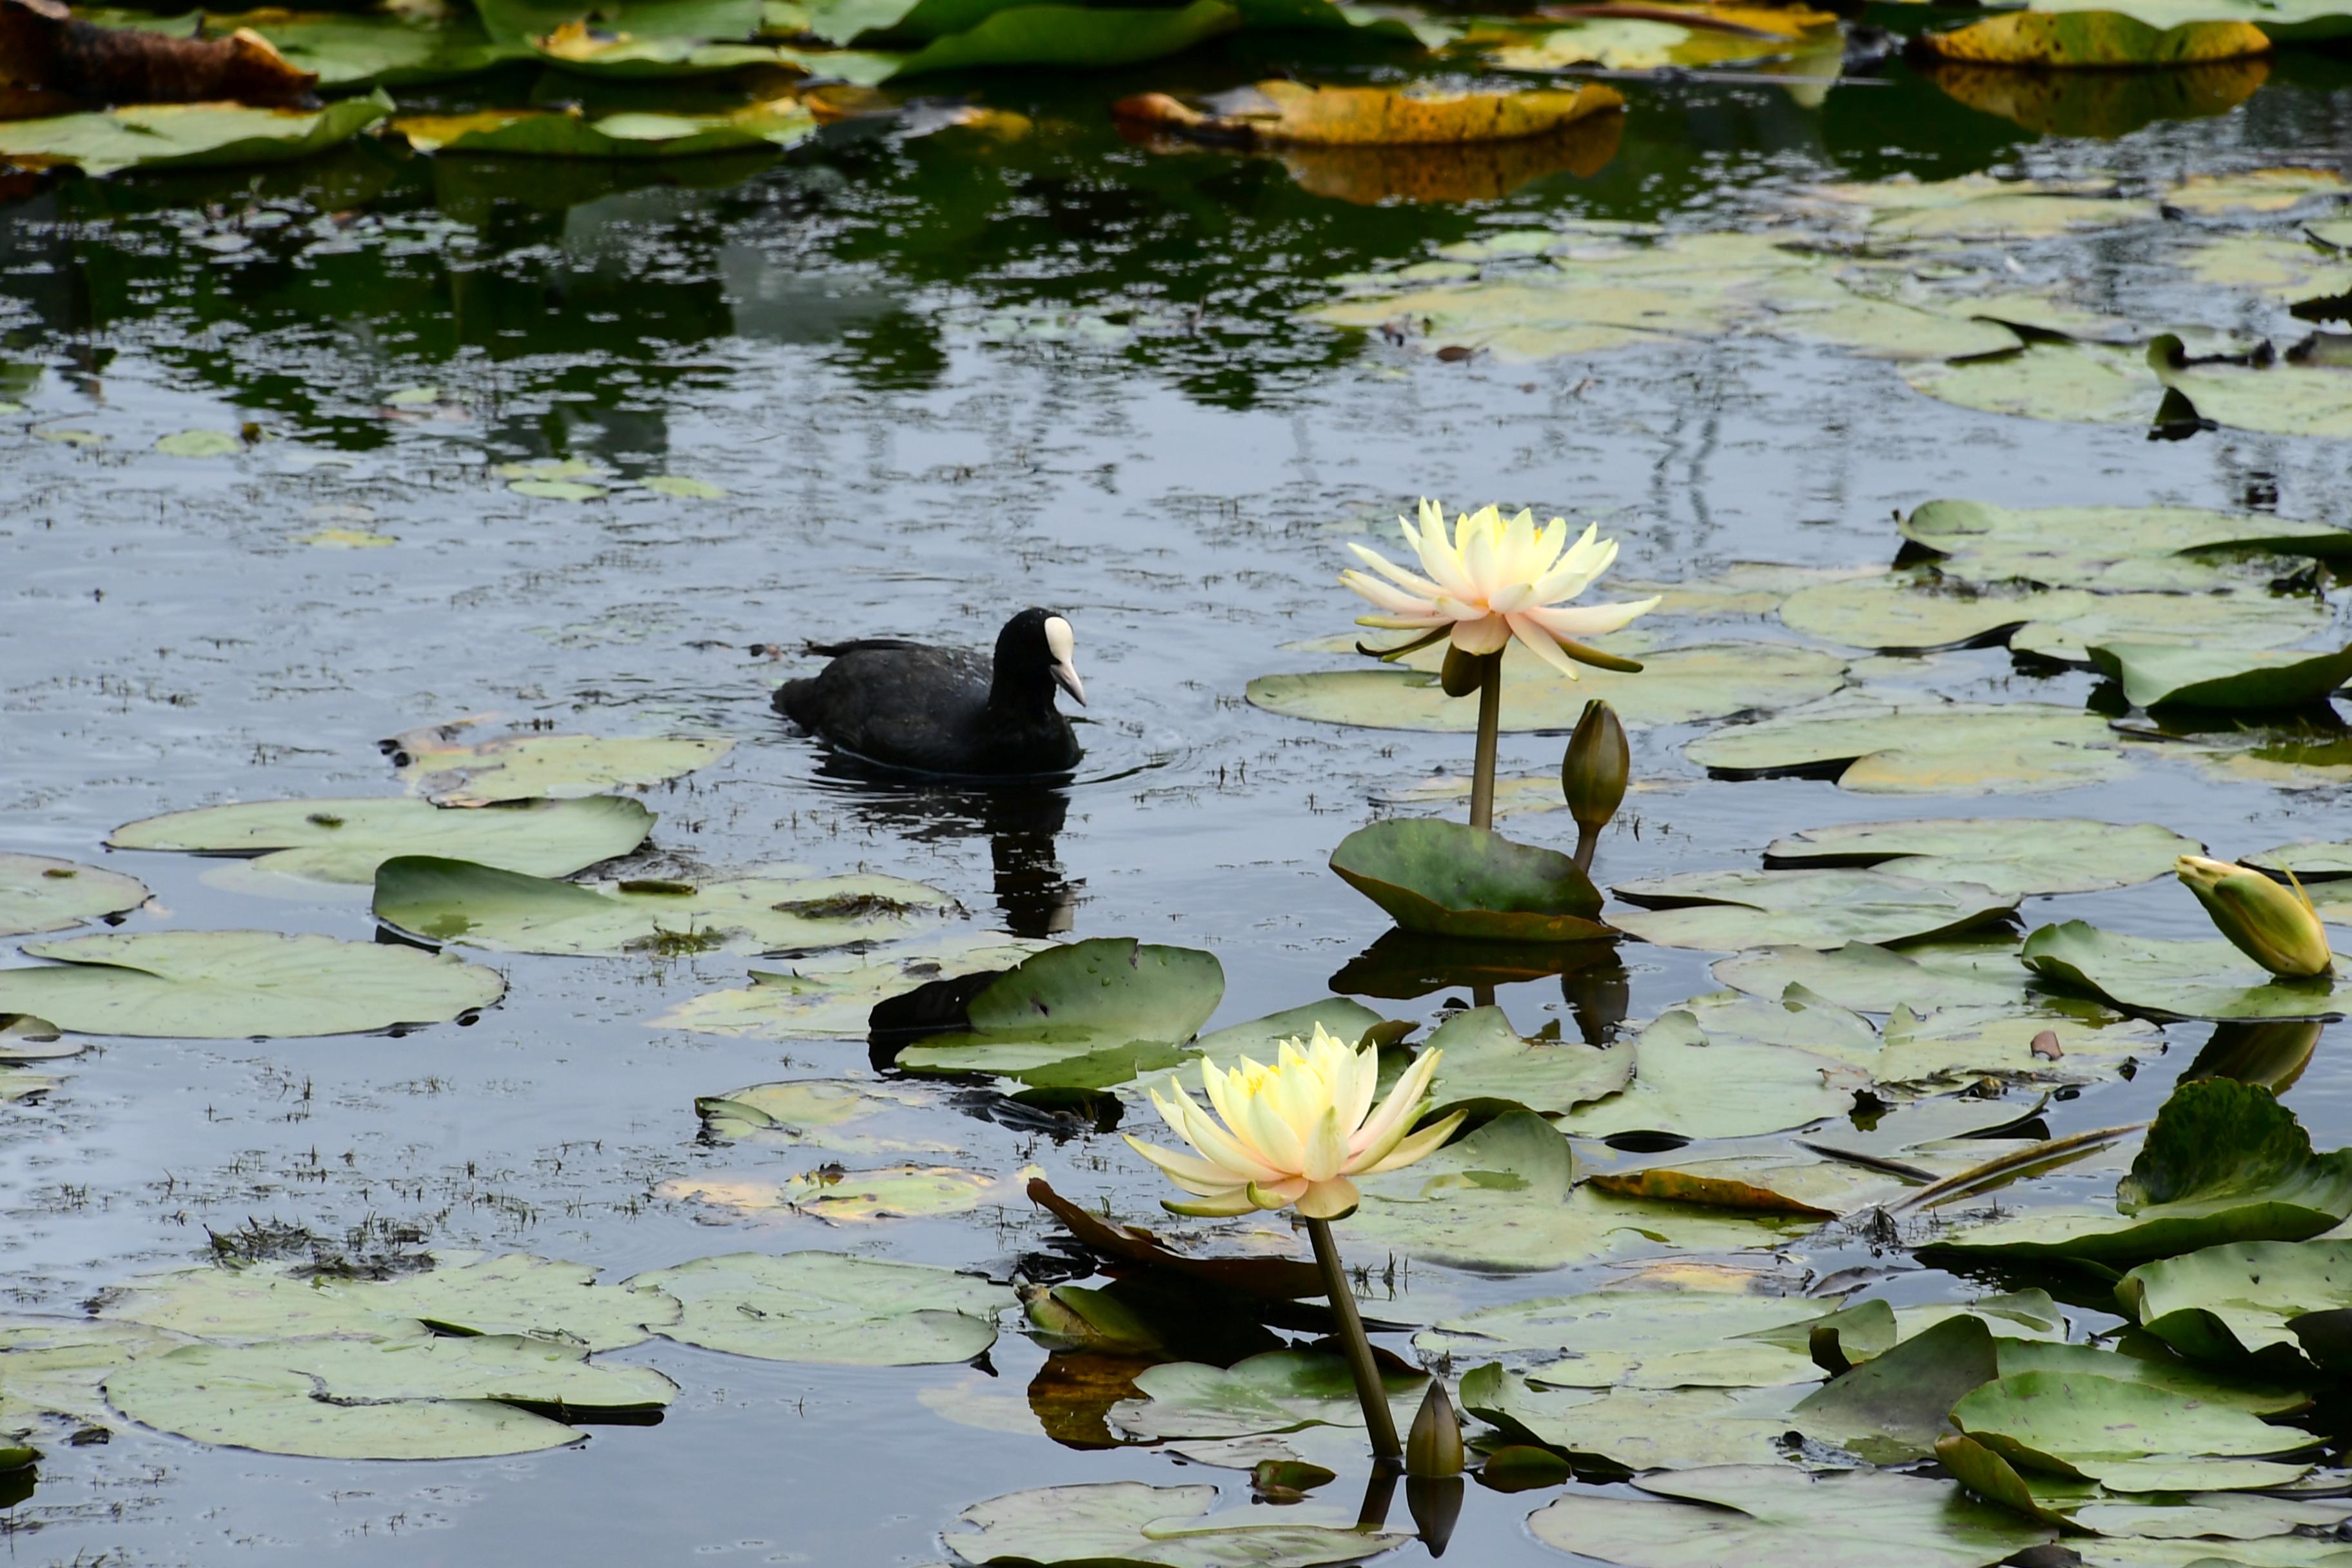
{"points": [[1496, 580], [2275, 926], [1294, 1133]]}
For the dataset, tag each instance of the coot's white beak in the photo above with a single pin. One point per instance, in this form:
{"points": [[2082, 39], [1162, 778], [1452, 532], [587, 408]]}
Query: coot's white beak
{"points": [[1062, 644]]}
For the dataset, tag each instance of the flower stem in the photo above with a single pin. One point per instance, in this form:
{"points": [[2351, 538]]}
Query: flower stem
{"points": [[1490, 724], [1370, 1393]]}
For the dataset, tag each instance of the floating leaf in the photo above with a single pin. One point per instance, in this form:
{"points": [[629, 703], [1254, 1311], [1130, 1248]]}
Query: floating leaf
{"points": [[1734, 909], [1909, 612], [819, 1112], [2254, 189], [1490, 1065], [2235, 680], [683, 488], [1894, 1406], [1981, 207], [1086, 1016], [1259, 1037], [1634, 1430], [1773, 1516], [2220, 620], [1130, 1521], [831, 998], [353, 51], [2066, 1423], [38, 893], [2138, 1361], [2276, 267], [1072, 37], [436, 763], [1449, 879], [1298, 112], [1871, 979], [1676, 686], [1687, 1084], [188, 135], [506, 912], [2087, 383], [569, 133], [200, 444], [838, 1197], [2091, 39], [1633, 1339], [237, 985], [829, 1307], [2018, 857], [2233, 1303], [2167, 977], [2223, 1162], [1278, 1391], [1924, 748], [57, 1366], [346, 840]]}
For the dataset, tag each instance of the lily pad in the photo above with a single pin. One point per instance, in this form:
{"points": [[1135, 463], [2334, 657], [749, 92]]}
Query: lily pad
{"points": [[839, 1196], [1774, 1516], [2224, 619], [830, 1308], [1086, 1016], [38, 893], [1339, 1016], [2093, 40], [1871, 979], [1733, 909], [2233, 1303], [427, 1398], [239, 985], [2137, 1360], [2018, 857], [2223, 1162], [1163, 1527], [1633, 1339], [2059, 1423], [568, 133], [1449, 879], [1957, 748], [1676, 686], [506, 912], [2170, 977], [2161, 548], [350, 51], [832, 998], [57, 1367], [1634, 1430], [1276, 1391], [188, 135], [199, 444], [2235, 680], [1688, 1085], [346, 840], [2086, 384], [1894, 1406], [1914, 612], [437, 764], [1490, 1065], [823, 1113]]}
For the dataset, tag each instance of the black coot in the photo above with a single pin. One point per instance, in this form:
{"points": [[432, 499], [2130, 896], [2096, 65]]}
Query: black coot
{"points": [[946, 710]]}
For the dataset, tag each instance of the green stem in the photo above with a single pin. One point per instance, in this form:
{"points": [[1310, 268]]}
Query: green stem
{"points": [[1369, 1393], [1490, 725], [1588, 839]]}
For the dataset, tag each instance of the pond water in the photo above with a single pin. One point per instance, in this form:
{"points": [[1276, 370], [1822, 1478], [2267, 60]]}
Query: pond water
{"points": [[938, 374]]}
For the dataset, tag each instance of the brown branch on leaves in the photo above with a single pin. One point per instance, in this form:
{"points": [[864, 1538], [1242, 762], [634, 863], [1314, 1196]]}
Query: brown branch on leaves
{"points": [[44, 46]]}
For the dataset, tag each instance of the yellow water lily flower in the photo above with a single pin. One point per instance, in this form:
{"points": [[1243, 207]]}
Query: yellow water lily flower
{"points": [[1294, 1133], [2275, 927], [1495, 579]]}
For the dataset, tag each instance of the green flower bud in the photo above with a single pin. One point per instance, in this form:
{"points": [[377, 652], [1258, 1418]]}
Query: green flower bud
{"points": [[1434, 1448], [1593, 772], [2275, 926]]}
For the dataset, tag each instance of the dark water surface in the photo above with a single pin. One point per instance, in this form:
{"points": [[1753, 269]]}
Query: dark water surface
{"points": [[940, 376]]}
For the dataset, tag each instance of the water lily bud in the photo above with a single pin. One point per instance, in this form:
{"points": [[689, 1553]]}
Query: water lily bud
{"points": [[1593, 775], [1434, 1448], [2275, 926]]}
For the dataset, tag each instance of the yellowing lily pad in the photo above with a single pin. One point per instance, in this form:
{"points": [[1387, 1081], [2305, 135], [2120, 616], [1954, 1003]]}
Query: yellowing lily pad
{"points": [[2093, 40]]}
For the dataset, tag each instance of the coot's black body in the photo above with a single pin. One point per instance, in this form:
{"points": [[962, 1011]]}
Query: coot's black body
{"points": [[946, 711]]}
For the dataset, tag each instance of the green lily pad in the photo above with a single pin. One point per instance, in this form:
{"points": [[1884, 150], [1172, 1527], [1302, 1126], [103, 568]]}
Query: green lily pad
{"points": [[2285, 398], [189, 135], [1449, 879], [681, 488], [2167, 977], [346, 840], [832, 998], [1275, 1391], [2058, 1423], [57, 1368], [1633, 1429], [1340, 1016], [1086, 1016], [2233, 1303], [1774, 1516], [426, 1398], [199, 444], [1741, 588], [2229, 1516], [2232, 619], [1676, 686], [2070, 383], [1948, 1043], [1733, 909], [2312, 860], [239, 984], [1957, 748], [1161, 1527], [1072, 37], [353, 50], [2113, 548], [1505, 1199], [2254, 190], [2237, 680], [823, 1113], [567, 133], [838, 1197], [506, 912], [1868, 978], [1914, 612], [1491, 1067], [437, 764], [1894, 1406], [2223, 1162], [2021, 857], [1633, 1339], [830, 1308], [558, 489], [1981, 207], [1693, 1086], [38, 893], [2138, 1361], [513, 1293]]}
